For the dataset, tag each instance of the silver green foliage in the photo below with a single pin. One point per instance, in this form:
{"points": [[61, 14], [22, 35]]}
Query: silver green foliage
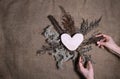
{"points": [[56, 49]]}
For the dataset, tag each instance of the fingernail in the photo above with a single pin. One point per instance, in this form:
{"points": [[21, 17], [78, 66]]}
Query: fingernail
{"points": [[98, 42], [89, 62]]}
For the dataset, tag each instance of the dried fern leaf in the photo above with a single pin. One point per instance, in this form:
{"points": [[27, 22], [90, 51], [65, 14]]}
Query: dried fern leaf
{"points": [[87, 27], [68, 22]]}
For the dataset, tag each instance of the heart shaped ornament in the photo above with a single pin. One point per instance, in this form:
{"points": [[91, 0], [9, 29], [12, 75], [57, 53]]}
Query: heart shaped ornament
{"points": [[72, 43]]}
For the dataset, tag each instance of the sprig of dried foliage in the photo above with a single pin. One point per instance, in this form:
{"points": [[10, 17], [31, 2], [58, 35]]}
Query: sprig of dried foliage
{"points": [[68, 22], [87, 27]]}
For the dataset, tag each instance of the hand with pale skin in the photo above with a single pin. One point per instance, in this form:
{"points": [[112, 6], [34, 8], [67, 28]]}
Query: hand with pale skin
{"points": [[87, 72], [109, 43]]}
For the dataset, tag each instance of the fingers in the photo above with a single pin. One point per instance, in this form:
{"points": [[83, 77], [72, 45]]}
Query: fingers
{"points": [[103, 41], [80, 60], [101, 34], [105, 36], [102, 47], [90, 67], [80, 64], [89, 64], [100, 43], [98, 35]]}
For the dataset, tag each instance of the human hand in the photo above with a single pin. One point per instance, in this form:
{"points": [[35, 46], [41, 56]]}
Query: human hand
{"points": [[87, 72], [107, 42]]}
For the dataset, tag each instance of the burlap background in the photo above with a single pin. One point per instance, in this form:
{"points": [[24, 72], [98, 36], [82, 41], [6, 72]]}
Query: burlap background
{"points": [[21, 24]]}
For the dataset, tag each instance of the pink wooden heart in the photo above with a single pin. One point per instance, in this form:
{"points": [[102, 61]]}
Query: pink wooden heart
{"points": [[72, 43]]}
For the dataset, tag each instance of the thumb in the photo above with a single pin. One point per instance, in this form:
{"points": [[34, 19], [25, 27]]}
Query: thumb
{"points": [[90, 67], [80, 64]]}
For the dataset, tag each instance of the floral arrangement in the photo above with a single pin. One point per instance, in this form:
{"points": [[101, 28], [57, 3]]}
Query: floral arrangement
{"points": [[54, 46]]}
